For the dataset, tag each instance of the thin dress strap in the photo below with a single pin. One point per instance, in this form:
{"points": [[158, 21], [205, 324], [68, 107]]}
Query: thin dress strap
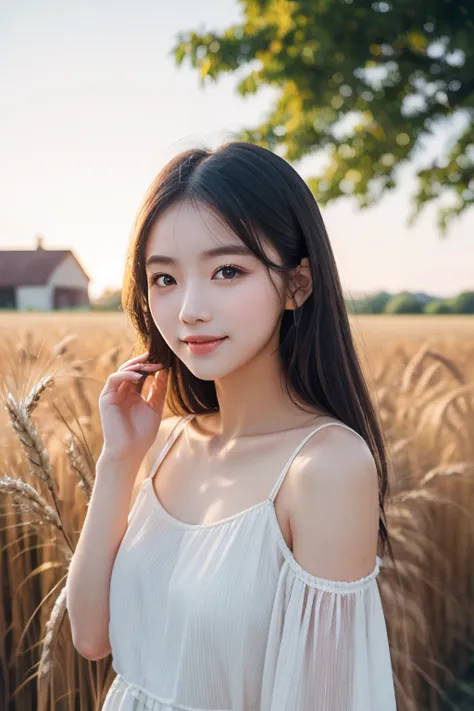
{"points": [[279, 481], [173, 435]]}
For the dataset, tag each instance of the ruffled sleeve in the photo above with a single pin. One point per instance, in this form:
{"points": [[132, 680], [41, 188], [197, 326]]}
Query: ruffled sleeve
{"points": [[328, 645]]}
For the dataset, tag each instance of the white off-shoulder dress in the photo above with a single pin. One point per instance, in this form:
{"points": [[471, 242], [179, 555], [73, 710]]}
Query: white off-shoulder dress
{"points": [[221, 617]]}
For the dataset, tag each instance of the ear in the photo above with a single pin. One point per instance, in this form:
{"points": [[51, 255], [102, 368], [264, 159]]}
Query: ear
{"points": [[300, 285]]}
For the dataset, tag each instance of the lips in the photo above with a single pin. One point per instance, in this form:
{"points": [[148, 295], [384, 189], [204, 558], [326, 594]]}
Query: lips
{"points": [[203, 339], [205, 346]]}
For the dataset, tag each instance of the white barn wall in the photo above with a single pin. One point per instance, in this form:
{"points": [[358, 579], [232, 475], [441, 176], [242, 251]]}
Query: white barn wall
{"points": [[34, 297], [69, 274]]}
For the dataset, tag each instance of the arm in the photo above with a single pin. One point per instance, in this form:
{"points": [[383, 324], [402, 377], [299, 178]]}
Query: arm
{"points": [[88, 580], [328, 647], [88, 585]]}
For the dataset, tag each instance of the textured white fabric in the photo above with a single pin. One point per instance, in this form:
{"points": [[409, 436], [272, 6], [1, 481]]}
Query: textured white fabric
{"points": [[221, 617]]}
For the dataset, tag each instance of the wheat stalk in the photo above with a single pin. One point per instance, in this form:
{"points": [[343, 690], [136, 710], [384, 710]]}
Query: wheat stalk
{"points": [[426, 378], [79, 465], [53, 626], [24, 493], [454, 469], [441, 412], [33, 397], [62, 346], [448, 364], [81, 394], [36, 453], [412, 368]]}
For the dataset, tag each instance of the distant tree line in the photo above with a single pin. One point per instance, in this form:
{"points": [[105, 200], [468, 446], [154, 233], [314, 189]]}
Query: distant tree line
{"points": [[411, 303]]}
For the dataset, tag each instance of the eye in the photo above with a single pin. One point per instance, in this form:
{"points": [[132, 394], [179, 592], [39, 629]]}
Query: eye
{"points": [[225, 267], [230, 267]]}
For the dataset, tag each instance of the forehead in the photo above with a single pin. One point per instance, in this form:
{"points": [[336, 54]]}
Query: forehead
{"points": [[186, 229]]}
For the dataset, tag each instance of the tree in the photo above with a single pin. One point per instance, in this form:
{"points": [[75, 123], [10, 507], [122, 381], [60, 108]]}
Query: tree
{"points": [[464, 303], [372, 304], [404, 303], [439, 306], [366, 81]]}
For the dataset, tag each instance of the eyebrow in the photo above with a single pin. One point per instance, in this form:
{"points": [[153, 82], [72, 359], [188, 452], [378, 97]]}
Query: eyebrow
{"points": [[205, 254]]}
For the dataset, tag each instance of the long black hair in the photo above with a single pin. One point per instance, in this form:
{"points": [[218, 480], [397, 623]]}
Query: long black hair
{"points": [[259, 195]]}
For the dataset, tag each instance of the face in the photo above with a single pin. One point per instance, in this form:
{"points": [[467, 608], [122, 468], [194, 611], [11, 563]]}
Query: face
{"points": [[228, 295]]}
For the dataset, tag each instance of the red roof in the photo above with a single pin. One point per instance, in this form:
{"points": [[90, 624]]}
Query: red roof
{"points": [[31, 267]]}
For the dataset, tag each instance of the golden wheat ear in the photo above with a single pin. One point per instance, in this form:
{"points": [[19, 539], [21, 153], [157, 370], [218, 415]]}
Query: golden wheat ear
{"points": [[46, 664]]}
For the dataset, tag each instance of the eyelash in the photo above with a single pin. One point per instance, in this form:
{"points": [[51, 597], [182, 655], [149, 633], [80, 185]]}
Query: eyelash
{"points": [[155, 277]]}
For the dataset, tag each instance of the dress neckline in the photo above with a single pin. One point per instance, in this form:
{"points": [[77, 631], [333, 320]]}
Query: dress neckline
{"points": [[196, 526]]}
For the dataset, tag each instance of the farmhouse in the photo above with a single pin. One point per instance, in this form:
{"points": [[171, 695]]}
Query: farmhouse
{"points": [[42, 279]]}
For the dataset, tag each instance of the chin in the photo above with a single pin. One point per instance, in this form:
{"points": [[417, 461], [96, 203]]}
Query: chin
{"points": [[209, 376], [209, 371]]}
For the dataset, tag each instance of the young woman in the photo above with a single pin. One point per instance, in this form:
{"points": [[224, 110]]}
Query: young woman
{"points": [[244, 576]]}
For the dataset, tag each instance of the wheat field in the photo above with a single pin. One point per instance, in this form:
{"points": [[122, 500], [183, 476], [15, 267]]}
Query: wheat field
{"points": [[420, 370]]}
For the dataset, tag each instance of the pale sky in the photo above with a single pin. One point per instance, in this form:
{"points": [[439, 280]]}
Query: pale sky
{"points": [[92, 106]]}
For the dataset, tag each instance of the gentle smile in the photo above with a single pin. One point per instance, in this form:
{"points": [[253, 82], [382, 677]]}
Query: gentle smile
{"points": [[205, 346]]}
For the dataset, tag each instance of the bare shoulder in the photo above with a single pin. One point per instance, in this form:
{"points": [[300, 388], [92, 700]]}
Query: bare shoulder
{"points": [[335, 506], [327, 449], [334, 444]]}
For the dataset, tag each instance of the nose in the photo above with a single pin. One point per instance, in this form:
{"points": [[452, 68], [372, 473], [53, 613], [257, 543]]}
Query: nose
{"points": [[193, 308]]}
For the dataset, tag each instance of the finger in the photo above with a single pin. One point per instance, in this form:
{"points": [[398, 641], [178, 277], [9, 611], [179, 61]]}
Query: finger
{"points": [[145, 370], [116, 379], [148, 368], [157, 393], [138, 359], [126, 386]]}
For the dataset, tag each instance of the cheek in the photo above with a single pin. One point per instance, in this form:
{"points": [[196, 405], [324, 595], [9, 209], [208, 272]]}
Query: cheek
{"points": [[162, 318], [257, 307]]}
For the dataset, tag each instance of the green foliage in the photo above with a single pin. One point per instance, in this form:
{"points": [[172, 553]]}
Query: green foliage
{"points": [[404, 303], [366, 81], [408, 303], [464, 303], [439, 306], [358, 306], [378, 302], [374, 304]]}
